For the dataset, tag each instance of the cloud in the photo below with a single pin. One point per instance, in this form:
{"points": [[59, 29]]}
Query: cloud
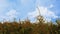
{"points": [[9, 15], [12, 13], [45, 12], [51, 6]]}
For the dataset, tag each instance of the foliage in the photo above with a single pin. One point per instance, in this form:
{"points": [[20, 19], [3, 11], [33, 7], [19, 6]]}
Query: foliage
{"points": [[27, 27]]}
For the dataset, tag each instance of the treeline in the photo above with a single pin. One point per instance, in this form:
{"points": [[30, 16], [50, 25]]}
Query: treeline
{"points": [[27, 27]]}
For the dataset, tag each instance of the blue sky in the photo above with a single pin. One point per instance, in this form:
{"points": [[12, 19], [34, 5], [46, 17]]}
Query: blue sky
{"points": [[22, 9]]}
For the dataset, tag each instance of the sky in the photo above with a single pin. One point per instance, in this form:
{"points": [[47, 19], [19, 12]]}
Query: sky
{"points": [[21, 9]]}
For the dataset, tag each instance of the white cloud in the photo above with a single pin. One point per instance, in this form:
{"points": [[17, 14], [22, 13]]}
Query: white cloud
{"points": [[51, 6], [47, 14], [9, 15], [12, 13]]}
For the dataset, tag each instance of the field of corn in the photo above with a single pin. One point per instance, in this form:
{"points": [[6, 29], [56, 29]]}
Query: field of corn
{"points": [[27, 27]]}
